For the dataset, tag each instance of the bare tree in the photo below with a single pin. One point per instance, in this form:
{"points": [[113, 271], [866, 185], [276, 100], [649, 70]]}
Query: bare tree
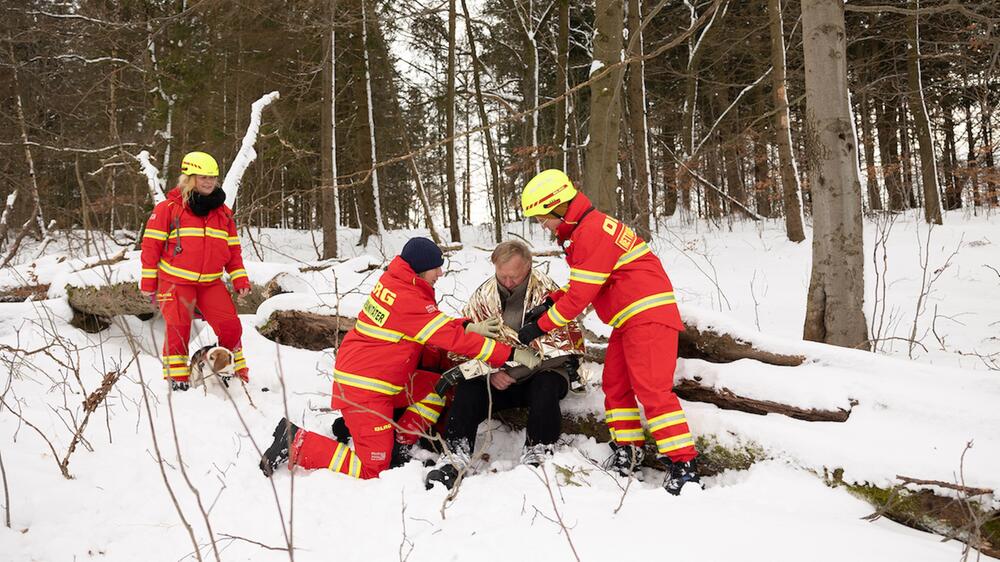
{"points": [[921, 121], [791, 191], [456, 234], [636, 88], [601, 178], [834, 309]]}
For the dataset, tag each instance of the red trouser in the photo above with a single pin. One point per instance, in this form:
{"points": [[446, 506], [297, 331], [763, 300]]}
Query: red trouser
{"points": [[368, 415], [177, 302], [640, 363]]}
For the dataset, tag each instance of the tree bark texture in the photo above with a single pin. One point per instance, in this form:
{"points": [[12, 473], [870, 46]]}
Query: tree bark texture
{"points": [[922, 123], [835, 305], [636, 88], [790, 189], [600, 181]]}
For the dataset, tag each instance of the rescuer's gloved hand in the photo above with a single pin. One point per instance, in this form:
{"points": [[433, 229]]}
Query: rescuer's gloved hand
{"points": [[529, 332], [527, 357], [489, 328], [536, 312]]}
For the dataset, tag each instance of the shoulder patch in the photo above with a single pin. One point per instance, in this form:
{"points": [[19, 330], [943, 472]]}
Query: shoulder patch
{"points": [[431, 309], [625, 239]]}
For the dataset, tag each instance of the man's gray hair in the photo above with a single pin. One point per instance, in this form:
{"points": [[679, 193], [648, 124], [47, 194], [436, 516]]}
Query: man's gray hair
{"points": [[508, 249]]}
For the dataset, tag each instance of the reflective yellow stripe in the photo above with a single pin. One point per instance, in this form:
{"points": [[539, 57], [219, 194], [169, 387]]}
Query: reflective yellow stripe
{"points": [[430, 328], [646, 303], [425, 412], [487, 350], [216, 233], [371, 331], [584, 276], [188, 232], [237, 273], [338, 457], [233, 240], [557, 318], [366, 383], [622, 414], [148, 273], [433, 398], [237, 355], [155, 234], [355, 468], [627, 435], [667, 420], [674, 443], [189, 275], [632, 255]]}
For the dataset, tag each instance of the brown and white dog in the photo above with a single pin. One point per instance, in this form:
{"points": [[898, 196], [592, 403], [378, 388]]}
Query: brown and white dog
{"points": [[212, 366]]}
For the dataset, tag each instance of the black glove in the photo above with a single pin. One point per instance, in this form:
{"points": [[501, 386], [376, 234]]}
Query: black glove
{"points": [[529, 333], [448, 379], [572, 366], [180, 385], [536, 312]]}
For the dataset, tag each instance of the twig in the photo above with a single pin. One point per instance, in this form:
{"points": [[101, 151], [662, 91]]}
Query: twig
{"points": [[555, 508], [993, 268], [941, 484], [405, 540], [260, 544], [6, 494]]}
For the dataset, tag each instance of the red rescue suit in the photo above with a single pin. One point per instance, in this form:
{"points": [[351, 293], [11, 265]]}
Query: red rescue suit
{"points": [[376, 371], [183, 259], [613, 269]]}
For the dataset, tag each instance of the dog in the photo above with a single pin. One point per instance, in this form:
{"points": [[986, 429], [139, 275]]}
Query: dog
{"points": [[212, 365]]}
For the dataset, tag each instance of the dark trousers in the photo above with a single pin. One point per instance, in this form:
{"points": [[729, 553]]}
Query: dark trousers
{"points": [[540, 394]]}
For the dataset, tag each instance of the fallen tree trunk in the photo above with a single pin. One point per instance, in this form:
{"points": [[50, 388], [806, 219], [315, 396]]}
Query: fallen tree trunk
{"points": [[728, 400]]}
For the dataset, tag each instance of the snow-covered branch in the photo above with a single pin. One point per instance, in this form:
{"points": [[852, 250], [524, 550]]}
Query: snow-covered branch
{"points": [[247, 154], [152, 176]]}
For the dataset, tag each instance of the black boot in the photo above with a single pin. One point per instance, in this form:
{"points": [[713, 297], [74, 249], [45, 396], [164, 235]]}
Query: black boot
{"points": [[277, 453], [678, 474], [340, 431], [179, 386], [625, 459], [401, 454], [446, 474]]}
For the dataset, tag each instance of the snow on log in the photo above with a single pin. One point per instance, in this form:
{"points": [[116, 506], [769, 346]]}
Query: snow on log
{"points": [[726, 399], [153, 181]]}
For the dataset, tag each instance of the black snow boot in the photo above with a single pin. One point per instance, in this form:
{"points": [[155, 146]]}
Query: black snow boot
{"points": [[179, 386], [340, 431], [446, 474], [401, 454], [625, 460], [678, 474], [277, 453]]}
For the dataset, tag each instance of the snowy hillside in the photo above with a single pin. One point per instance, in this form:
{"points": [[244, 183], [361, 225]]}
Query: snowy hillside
{"points": [[155, 473]]}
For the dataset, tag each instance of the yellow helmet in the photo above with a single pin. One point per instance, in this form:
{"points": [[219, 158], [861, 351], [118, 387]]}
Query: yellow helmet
{"points": [[545, 192], [200, 163]]}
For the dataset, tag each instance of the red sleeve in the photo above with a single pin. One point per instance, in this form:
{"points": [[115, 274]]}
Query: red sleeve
{"points": [[438, 329], [154, 237], [593, 259], [237, 274]]}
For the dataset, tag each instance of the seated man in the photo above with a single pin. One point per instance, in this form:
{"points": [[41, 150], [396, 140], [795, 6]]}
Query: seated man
{"points": [[506, 299]]}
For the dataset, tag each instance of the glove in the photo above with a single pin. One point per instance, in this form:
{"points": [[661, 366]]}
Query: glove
{"points": [[448, 379], [536, 312], [529, 332], [527, 357], [489, 328], [179, 385]]}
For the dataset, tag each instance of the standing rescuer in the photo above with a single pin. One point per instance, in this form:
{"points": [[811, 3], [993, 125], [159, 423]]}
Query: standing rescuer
{"points": [[615, 270], [376, 371], [189, 242]]}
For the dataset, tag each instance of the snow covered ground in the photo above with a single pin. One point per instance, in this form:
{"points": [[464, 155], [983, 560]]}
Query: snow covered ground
{"points": [[908, 416]]}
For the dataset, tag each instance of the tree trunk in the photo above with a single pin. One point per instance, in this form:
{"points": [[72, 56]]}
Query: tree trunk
{"points": [[601, 179], [371, 218], [835, 306], [453, 222], [992, 194], [888, 147], [790, 189], [329, 209], [871, 175], [491, 152], [730, 148], [971, 159], [636, 88], [922, 123], [562, 85], [670, 174], [953, 188]]}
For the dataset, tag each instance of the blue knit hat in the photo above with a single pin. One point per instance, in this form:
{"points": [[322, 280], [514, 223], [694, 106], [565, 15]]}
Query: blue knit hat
{"points": [[422, 254]]}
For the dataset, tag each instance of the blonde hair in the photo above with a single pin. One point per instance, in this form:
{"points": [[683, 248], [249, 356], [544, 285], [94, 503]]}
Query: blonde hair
{"points": [[186, 183], [508, 249]]}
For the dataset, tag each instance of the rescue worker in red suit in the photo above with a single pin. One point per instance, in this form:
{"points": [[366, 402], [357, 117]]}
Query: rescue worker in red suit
{"points": [[376, 371], [613, 269], [190, 241]]}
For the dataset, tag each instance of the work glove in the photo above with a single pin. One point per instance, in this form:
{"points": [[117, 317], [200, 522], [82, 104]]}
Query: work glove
{"points": [[489, 328], [536, 312], [467, 370], [529, 333], [527, 357]]}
